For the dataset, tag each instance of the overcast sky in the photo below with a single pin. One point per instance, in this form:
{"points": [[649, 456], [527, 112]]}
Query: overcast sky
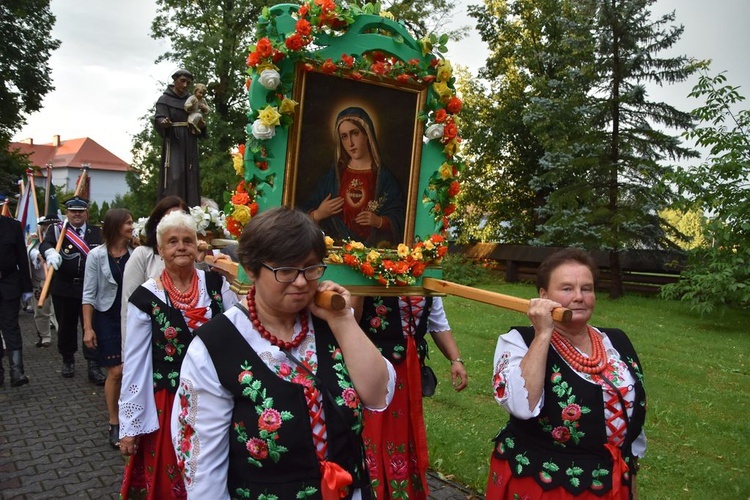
{"points": [[105, 77]]}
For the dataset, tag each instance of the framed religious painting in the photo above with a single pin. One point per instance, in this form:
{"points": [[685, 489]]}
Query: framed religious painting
{"points": [[355, 122]]}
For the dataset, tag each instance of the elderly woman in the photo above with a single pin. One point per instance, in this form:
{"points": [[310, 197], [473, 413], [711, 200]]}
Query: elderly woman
{"points": [[574, 393], [397, 437], [102, 294], [272, 393], [162, 315], [359, 198]]}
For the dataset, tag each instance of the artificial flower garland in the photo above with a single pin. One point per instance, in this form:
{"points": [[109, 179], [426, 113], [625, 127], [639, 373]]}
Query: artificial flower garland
{"points": [[328, 17]]}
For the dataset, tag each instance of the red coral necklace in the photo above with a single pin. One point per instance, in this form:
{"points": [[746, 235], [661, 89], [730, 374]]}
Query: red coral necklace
{"points": [[180, 300], [594, 364], [253, 313]]}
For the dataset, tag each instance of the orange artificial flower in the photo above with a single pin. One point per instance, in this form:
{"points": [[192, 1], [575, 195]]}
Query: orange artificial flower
{"points": [[295, 42], [454, 105], [440, 115], [264, 47], [328, 67], [350, 260], [241, 199], [454, 189], [367, 269], [254, 209], [347, 60], [303, 27]]}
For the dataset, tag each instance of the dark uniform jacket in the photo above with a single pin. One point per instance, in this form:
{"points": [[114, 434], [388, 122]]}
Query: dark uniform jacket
{"points": [[14, 263], [68, 280]]}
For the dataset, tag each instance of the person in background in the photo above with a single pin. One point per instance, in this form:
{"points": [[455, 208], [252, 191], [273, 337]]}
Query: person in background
{"points": [[162, 315], [396, 440], [15, 285], [272, 392], [102, 292], [67, 284], [574, 393], [44, 316]]}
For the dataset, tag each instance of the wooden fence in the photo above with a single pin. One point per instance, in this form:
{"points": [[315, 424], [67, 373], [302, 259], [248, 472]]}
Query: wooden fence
{"points": [[644, 271]]}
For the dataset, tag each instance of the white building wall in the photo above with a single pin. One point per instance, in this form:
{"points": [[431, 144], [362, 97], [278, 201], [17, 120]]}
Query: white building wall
{"points": [[105, 185]]}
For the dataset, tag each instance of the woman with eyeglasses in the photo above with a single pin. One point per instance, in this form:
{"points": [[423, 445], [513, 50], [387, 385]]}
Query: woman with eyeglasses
{"points": [[272, 392]]}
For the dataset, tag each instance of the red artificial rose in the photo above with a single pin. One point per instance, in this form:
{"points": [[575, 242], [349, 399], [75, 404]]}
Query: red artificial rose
{"points": [[428, 78], [454, 189], [350, 260], [234, 227], [454, 105], [277, 56], [442, 250], [294, 42], [379, 68], [403, 78], [450, 131], [377, 56], [413, 62], [347, 60], [253, 59], [302, 11], [303, 27], [440, 115], [356, 75], [417, 269], [388, 265], [328, 66], [401, 267], [241, 199], [382, 280], [437, 238], [264, 47], [328, 5], [434, 62], [367, 269], [241, 149], [253, 209], [449, 210]]}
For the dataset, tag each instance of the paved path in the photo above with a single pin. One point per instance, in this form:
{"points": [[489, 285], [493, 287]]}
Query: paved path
{"points": [[53, 434]]}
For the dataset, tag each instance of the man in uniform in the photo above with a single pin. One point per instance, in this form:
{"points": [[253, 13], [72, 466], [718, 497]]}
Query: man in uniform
{"points": [[43, 315], [15, 284], [67, 283]]}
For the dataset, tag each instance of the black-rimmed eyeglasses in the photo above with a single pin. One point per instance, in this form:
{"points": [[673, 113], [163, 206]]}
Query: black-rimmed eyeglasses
{"points": [[289, 274]]}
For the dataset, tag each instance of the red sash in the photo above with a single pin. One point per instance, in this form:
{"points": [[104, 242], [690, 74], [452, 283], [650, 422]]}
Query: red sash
{"points": [[77, 241]]}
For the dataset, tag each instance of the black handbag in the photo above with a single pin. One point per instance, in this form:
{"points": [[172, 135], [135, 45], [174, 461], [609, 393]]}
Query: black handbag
{"points": [[429, 381]]}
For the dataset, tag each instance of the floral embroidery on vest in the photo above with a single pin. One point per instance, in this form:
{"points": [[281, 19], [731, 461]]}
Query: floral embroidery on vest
{"points": [[349, 396], [269, 421], [379, 322], [571, 412], [186, 437], [169, 343]]}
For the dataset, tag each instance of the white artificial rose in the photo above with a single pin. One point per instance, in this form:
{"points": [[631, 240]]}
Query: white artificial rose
{"points": [[270, 79], [201, 218], [434, 131], [263, 132]]}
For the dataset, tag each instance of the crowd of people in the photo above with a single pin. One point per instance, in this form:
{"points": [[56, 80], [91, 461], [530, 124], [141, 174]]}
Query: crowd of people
{"points": [[270, 395]]}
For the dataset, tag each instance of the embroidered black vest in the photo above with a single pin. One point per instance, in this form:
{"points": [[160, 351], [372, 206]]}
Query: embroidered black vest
{"points": [[271, 451], [566, 448], [170, 335], [381, 322]]}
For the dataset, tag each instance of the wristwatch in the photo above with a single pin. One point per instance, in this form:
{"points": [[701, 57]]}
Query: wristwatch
{"points": [[457, 360]]}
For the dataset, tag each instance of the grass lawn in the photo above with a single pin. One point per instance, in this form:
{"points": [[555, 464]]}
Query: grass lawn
{"points": [[697, 381]]}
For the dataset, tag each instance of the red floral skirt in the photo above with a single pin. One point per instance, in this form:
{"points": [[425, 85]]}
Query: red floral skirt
{"points": [[152, 473], [396, 443], [501, 485]]}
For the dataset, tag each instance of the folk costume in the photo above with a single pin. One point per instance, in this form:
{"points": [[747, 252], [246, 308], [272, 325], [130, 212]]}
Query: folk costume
{"points": [[179, 172], [395, 440], [66, 290], [158, 337], [249, 421], [583, 438], [376, 190]]}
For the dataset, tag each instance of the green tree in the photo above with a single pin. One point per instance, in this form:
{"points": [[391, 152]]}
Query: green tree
{"points": [[690, 223], [718, 273], [95, 214], [25, 76]]}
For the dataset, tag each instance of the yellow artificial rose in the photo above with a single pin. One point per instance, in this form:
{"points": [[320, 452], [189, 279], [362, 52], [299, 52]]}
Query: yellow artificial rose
{"points": [[387, 15], [402, 250], [445, 171], [442, 90], [242, 214], [373, 256], [329, 241], [239, 164], [267, 65], [426, 45], [451, 147], [269, 116], [357, 245], [287, 106], [416, 254], [444, 71], [335, 258], [429, 245]]}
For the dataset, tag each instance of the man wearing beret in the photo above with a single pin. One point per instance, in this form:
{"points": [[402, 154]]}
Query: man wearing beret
{"points": [[15, 284], [179, 173], [67, 283]]}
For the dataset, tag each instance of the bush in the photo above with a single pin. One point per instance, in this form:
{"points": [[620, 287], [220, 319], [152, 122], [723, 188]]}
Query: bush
{"points": [[459, 269]]}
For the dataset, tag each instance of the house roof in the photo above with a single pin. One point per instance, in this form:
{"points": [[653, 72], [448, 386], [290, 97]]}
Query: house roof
{"points": [[71, 153]]}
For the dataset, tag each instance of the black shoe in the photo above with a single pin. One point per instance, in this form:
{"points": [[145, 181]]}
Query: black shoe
{"points": [[17, 376], [68, 370], [114, 436], [40, 342], [95, 374]]}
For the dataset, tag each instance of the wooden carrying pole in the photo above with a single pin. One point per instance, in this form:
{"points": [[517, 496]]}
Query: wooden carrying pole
{"points": [[496, 299], [60, 239]]}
